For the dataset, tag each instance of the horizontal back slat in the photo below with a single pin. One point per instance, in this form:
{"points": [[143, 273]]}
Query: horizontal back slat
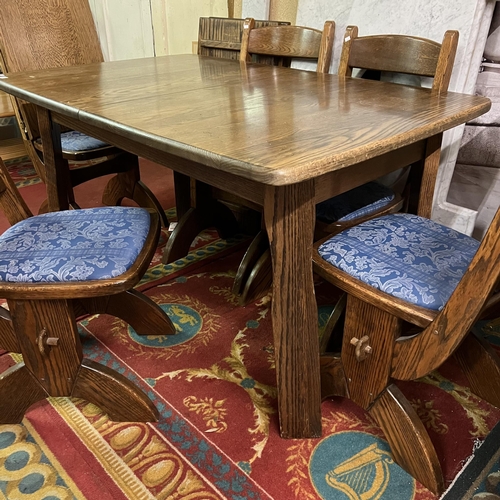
{"points": [[288, 41], [399, 54]]}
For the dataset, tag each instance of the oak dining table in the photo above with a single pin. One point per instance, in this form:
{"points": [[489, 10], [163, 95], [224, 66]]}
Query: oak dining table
{"points": [[282, 138]]}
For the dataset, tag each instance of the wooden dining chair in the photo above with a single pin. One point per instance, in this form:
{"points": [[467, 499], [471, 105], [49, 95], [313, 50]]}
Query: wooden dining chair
{"points": [[414, 290], [55, 268], [55, 33], [399, 54], [294, 42]]}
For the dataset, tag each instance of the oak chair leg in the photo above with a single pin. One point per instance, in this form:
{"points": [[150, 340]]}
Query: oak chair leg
{"points": [[410, 443], [144, 315], [367, 349], [18, 391], [481, 365], [113, 393]]}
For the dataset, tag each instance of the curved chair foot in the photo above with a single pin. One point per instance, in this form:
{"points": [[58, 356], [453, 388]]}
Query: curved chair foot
{"points": [[144, 315], [481, 365], [194, 221], [410, 443], [18, 391], [259, 281], [257, 247], [113, 393]]}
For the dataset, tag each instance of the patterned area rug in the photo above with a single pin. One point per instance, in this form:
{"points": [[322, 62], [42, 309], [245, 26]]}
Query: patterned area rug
{"points": [[214, 385], [22, 172], [480, 478]]}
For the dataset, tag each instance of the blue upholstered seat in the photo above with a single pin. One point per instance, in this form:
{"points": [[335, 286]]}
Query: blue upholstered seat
{"points": [[357, 202], [73, 245], [415, 259], [76, 141]]}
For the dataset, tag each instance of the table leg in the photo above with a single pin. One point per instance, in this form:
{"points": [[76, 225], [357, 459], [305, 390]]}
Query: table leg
{"points": [[289, 218]]}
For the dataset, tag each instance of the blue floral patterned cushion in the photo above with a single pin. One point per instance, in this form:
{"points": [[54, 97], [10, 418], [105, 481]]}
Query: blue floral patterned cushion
{"points": [[76, 141], [355, 203], [73, 245], [415, 259]]}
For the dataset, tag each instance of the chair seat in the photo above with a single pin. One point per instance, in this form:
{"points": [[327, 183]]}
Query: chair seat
{"points": [[406, 256], [357, 202], [73, 245], [77, 142]]}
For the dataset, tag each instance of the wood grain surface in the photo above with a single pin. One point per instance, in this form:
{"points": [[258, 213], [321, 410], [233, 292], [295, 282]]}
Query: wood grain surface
{"points": [[271, 124]]}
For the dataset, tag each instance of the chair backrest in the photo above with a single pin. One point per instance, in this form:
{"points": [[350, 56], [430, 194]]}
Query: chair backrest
{"points": [[48, 34], [221, 37], [400, 54], [45, 34], [294, 42]]}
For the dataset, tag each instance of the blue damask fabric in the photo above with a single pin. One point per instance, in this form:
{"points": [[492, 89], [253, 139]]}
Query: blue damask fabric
{"points": [[76, 141], [355, 203], [415, 259], [73, 245]]}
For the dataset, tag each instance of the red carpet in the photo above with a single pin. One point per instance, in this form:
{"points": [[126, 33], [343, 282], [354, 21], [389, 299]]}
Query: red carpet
{"points": [[214, 385]]}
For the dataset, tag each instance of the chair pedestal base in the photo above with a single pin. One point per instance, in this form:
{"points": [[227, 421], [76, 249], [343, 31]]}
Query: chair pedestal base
{"points": [[363, 375], [410, 443], [54, 366], [211, 214]]}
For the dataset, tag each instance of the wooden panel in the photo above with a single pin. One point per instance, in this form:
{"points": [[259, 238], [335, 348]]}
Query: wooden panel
{"points": [[221, 37]]}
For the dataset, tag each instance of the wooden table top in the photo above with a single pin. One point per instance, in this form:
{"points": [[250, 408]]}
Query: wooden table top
{"points": [[275, 125]]}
